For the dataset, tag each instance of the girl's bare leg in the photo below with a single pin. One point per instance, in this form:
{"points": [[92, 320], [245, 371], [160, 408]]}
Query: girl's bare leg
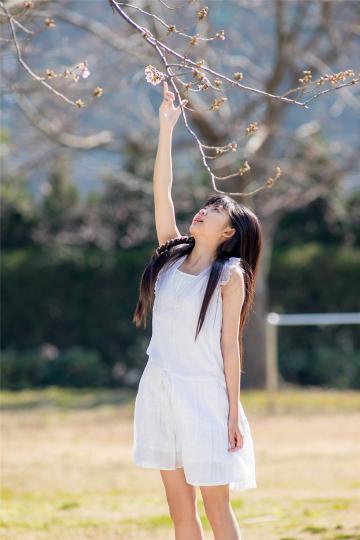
{"points": [[219, 512], [182, 502]]}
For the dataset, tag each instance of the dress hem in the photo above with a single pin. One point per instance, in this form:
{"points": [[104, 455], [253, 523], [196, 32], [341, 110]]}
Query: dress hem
{"points": [[235, 485]]}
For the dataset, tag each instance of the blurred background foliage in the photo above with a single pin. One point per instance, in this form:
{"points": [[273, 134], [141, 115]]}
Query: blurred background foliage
{"points": [[67, 309], [77, 217]]}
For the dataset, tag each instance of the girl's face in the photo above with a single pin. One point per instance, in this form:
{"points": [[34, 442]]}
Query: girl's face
{"points": [[211, 221]]}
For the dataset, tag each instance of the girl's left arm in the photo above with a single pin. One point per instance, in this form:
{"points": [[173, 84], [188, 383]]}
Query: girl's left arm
{"points": [[233, 294]]}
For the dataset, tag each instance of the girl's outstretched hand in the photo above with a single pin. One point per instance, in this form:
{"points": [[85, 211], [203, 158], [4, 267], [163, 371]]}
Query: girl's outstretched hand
{"points": [[168, 114]]}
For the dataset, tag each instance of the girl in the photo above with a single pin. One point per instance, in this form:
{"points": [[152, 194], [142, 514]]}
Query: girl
{"points": [[188, 419]]}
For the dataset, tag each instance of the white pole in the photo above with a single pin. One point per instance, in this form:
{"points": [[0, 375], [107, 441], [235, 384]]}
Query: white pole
{"points": [[272, 370], [273, 320]]}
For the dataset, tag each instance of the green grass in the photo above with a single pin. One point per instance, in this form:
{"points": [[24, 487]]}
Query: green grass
{"points": [[67, 471], [291, 400]]}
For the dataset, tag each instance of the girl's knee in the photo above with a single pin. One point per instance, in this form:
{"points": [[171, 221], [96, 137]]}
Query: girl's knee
{"points": [[216, 501], [181, 497], [183, 507]]}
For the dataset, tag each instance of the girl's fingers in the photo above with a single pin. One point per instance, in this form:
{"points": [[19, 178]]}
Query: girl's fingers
{"points": [[166, 92], [231, 442], [183, 103], [166, 89], [236, 440], [170, 96]]}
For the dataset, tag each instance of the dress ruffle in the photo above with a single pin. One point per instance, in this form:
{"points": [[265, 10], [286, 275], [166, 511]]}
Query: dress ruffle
{"points": [[231, 263]]}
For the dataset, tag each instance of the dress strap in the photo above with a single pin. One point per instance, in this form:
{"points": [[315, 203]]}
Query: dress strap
{"points": [[231, 263]]}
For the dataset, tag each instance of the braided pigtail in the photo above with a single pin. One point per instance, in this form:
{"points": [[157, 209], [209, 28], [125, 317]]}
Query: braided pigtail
{"points": [[171, 243], [165, 254]]}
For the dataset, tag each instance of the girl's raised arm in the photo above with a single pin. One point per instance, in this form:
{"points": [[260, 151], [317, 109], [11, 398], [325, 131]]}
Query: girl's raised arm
{"points": [[165, 221]]}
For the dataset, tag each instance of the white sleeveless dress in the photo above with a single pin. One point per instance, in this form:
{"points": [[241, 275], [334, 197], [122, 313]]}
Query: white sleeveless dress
{"points": [[181, 407]]}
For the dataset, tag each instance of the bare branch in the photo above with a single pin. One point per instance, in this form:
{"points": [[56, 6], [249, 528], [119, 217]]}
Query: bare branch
{"points": [[90, 142], [32, 74], [198, 69]]}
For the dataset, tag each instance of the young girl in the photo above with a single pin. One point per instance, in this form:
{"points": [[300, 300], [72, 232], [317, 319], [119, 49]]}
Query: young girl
{"points": [[188, 419]]}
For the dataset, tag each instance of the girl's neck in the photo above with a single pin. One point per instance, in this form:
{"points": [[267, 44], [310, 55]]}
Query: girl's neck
{"points": [[201, 256]]}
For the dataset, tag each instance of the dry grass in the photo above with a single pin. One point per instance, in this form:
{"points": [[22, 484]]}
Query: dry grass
{"points": [[67, 471]]}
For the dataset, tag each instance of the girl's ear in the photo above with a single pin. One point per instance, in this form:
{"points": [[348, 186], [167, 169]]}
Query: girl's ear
{"points": [[229, 232]]}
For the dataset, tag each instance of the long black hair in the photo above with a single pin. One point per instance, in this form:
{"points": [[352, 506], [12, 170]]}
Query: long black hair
{"points": [[245, 243]]}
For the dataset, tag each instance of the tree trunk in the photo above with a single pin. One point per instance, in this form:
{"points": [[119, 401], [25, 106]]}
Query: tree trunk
{"points": [[254, 365]]}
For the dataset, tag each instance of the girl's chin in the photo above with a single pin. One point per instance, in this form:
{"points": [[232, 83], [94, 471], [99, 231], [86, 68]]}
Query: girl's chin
{"points": [[193, 231]]}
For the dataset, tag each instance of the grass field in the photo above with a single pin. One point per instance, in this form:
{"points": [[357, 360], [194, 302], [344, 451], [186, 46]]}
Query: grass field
{"points": [[67, 473]]}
